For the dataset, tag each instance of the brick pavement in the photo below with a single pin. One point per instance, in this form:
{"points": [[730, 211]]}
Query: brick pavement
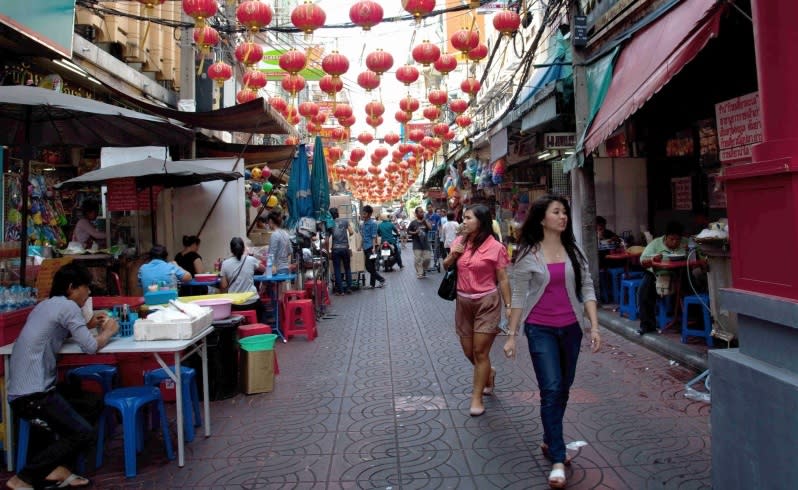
{"points": [[380, 400]]}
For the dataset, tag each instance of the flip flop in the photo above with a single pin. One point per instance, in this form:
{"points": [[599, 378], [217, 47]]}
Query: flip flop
{"points": [[67, 482], [557, 478]]}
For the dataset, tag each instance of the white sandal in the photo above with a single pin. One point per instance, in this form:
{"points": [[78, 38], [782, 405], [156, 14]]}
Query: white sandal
{"points": [[557, 478]]}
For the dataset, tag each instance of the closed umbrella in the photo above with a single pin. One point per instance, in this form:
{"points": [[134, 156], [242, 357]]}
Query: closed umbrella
{"points": [[300, 202], [319, 185], [36, 117]]}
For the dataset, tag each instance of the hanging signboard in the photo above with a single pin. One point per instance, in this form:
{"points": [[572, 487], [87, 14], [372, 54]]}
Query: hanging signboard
{"points": [[123, 196], [559, 141], [739, 127], [682, 193], [47, 22]]}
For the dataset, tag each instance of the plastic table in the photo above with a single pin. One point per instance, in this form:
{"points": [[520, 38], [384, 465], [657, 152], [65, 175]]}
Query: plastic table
{"points": [[119, 345], [275, 279]]}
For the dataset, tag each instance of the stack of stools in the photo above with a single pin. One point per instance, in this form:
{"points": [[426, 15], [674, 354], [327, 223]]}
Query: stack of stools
{"points": [[318, 289], [192, 416], [258, 329], [628, 298], [299, 319], [102, 374], [251, 316], [128, 401], [702, 301]]}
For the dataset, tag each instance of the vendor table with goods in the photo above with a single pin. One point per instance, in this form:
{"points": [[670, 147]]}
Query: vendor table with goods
{"points": [[180, 349]]}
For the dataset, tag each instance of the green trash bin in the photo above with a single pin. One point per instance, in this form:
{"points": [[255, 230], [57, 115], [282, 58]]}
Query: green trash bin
{"points": [[257, 363]]}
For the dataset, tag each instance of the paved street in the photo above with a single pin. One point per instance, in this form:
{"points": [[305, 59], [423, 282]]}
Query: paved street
{"points": [[380, 400]]}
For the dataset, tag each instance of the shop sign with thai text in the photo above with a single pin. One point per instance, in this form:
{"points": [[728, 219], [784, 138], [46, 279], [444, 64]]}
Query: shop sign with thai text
{"points": [[739, 126], [682, 193], [559, 141]]}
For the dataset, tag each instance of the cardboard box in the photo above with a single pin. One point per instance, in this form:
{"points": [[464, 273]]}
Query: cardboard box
{"points": [[257, 371], [260, 238]]}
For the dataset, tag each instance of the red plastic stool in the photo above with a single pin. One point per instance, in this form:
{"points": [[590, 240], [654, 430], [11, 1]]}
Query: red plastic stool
{"points": [[318, 289], [251, 316], [299, 319], [294, 294], [257, 329]]}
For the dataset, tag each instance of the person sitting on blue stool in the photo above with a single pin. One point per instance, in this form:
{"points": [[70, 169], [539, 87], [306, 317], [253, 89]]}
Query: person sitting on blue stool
{"points": [[32, 378], [671, 242]]}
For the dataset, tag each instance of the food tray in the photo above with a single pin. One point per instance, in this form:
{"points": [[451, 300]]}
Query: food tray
{"points": [[173, 330]]}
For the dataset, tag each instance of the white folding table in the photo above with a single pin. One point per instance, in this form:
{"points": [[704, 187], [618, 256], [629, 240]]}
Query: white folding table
{"points": [[120, 345]]}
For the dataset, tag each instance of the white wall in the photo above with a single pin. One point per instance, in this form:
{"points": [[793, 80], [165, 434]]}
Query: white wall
{"points": [[622, 193]]}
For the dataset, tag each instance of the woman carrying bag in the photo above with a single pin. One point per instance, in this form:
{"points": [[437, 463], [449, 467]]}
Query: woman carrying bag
{"points": [[552, 290], [482, 288]]}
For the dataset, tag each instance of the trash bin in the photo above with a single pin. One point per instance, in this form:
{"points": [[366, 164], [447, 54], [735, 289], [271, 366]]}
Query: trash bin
{"points": [[257, 363], [222, 359]]}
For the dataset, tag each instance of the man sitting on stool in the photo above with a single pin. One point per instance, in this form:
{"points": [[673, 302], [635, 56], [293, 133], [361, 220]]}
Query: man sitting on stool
{"points": [[671, 242]]}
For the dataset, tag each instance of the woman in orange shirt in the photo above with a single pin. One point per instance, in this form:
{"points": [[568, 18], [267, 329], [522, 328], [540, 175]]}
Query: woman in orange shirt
{"points": [[482, 289]]}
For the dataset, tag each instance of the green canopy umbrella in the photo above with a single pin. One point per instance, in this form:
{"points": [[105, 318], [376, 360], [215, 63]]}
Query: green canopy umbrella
{"points": [[319, 185]]}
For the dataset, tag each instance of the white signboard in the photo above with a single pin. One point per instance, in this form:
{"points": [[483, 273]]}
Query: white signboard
{"points": [[739, 126]]}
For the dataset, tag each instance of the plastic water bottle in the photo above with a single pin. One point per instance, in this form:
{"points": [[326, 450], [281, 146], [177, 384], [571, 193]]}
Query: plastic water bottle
{"points": [[269, 262]]}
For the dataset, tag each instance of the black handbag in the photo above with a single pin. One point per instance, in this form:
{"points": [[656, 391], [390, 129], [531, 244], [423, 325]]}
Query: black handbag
{"points": [[448, 288]]}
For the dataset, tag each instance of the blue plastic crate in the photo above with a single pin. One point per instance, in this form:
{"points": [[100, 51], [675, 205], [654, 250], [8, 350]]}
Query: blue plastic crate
{"points": [[159, 297]]}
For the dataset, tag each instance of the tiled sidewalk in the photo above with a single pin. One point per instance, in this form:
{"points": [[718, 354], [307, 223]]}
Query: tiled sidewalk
{"points": [[380, 400]]}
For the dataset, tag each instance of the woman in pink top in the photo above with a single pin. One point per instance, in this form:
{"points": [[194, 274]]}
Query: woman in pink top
{"points": [[552, 291], [482, 287]]}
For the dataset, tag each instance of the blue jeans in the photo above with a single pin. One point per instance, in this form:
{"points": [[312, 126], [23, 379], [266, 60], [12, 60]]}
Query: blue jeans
{"points": [[340, 259], [554, 352]]}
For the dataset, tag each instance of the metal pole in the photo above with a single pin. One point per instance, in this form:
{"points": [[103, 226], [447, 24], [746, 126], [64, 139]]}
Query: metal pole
{"points": [[23, 232], [188, 76]]}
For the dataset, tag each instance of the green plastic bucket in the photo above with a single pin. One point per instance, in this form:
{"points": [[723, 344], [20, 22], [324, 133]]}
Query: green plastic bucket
{"points": [[260, 342]]}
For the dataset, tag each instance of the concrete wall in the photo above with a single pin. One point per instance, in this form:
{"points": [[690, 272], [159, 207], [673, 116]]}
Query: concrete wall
{"points": [[621, 193]]}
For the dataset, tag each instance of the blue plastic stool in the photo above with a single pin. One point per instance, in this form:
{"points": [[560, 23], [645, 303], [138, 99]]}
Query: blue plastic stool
{"points": [[628, 298], [634, 274], [129, 401], [23, 438], [616, 275], [188, 378], [664, 311], [706, 332], [605, 286], [102, 374]]}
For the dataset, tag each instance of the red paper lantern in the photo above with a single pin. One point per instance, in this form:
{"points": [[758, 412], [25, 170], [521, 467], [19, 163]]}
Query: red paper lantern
{"points": [[311, 127], [432, 113], [335, 64], [342, 111], [412, 161], [437, 97], [199, 10], [220, 72], [427, 142], [308, 109], [357, 154], [391, 138], [445, 64], [293, 61], [479, 53], [365, 137], [470, 86], [465, 40], [331, 85], [426, 53], [403, 117], [415, 135], [409, 104], [381, 152], [338, 134], [375, 108], [463, 121], [335, 153], [397, 155], [392, 167], [254, 14], [246, 95], [278, 103], [290, 113], [374, 121], [254, 79], [368, 80], [308, 17], [418, 8], [379, 61], [449, 135], [407, 74], [440, 129], [293, 84], [347, 122], [366, 14], [249, 53], [319, 118], [206, 37], [506, 22], [458, 106]]}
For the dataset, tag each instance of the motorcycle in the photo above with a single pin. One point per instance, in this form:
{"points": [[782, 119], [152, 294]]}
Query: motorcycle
{"points": [[387, 256]]}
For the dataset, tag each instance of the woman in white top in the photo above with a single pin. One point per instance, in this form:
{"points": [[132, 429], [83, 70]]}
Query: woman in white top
{"points": [[237, 277]]}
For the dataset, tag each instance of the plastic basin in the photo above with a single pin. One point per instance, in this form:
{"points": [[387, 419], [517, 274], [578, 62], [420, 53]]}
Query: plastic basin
{"points": [[221, 307], [260, 342], [205, 277]]}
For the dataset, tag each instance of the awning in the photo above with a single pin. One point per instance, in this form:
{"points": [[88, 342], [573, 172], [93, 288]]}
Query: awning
{"points": [[256, 116], [649, 61], [276, 157]]}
